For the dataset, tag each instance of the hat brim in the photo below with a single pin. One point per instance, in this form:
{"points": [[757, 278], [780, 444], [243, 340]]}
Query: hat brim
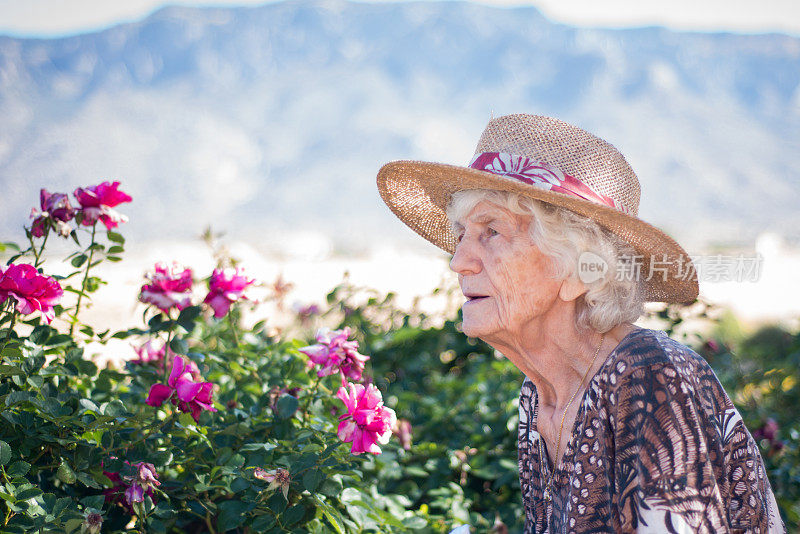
{"points": [[418, 193]]}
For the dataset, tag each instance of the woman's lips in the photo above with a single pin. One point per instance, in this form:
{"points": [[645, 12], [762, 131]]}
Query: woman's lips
{"points": [[476, 298]]}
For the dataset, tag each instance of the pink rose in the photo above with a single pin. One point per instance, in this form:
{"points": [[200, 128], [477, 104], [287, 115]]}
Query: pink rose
{"points": [[367, 421], [226, 287], [170, 287], [190, 396], [97, 202], [334, 353], [32, 291]]}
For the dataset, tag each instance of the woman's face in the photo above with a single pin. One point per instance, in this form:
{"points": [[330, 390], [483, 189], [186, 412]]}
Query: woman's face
{"points": [[504, 277]]}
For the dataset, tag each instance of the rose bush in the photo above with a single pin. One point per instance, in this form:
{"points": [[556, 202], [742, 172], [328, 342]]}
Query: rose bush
{"points": [[210, 427], [82, 449]]}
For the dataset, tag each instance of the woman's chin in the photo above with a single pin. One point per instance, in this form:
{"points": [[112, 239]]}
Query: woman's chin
{"points": [[476, 329]]}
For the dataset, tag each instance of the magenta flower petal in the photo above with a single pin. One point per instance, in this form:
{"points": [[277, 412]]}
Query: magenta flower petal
{"points": [[225, 287], [98, 201], [135, 493], [158, 394], [177, 371], [187, 390], [31, 290], [170, 287]]}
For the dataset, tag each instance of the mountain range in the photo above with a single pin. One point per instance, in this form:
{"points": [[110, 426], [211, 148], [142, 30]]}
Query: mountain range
{"points": [[264, 121]]}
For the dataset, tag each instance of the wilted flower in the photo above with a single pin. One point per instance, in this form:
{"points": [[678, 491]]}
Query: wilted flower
{"points": [[190, 396], [55, 208], [129, 490], [170, 287], [32, 291], [367, 421], [402, 429], [280, 288], [149, 352], [146, 475], [334, 353], [226, 287], [92, 522], [278, 478], [97, 202], [134, 493]]}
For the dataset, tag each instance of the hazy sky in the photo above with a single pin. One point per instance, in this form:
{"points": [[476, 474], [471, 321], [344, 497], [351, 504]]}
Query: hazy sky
{"points": [[58, 17]]}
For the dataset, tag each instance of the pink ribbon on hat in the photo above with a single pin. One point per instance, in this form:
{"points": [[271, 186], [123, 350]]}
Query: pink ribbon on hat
{"points": [[540, 175]]}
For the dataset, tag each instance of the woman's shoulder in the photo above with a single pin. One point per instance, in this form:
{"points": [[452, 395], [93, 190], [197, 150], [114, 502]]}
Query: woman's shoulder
{"points": [[648, 356], [644, 348]]}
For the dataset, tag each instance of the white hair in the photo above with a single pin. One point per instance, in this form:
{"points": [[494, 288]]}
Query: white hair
{"points": [[563, 236]]}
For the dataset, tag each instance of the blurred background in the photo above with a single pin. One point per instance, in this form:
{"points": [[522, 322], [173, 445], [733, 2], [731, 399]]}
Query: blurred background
{"points": [[267, 122]]}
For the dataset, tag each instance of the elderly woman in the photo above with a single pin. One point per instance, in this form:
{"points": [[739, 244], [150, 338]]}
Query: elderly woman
{"points": [[622, 429]]}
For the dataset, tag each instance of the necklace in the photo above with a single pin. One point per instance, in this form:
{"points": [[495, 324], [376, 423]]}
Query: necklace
{"points": [[548, 494]]}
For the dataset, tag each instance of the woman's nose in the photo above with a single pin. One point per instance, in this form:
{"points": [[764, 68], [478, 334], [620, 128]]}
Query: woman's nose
{"points": [[464, 260]]}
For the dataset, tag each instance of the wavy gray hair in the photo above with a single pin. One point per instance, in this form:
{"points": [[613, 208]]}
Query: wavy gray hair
{"points": [[563, 236]]}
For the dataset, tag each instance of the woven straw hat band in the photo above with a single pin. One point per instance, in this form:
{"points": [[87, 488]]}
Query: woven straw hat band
{"points": [[572, 150]]}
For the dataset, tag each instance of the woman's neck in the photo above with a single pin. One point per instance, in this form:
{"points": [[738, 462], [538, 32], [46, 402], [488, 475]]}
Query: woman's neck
{"points": [[555, 355]]}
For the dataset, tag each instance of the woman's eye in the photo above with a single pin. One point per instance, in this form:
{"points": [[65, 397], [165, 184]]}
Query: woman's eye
{"points": [[491, 232]]}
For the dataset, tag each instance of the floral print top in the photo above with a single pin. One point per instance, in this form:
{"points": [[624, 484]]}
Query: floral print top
{"points": [[657, 446]]}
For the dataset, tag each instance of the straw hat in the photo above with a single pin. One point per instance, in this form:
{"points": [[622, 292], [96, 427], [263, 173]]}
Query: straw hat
{"points": [[557, 163]]}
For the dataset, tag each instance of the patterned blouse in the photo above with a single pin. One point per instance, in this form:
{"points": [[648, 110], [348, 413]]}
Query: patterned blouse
{"points": [[657, 446]]}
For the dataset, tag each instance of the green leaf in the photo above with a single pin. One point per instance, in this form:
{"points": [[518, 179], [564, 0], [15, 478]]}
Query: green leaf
{"points": [[49, 405], [415, 522], [293, 514], [28, 493], [286, 406], [239, 484], [116, 249], [95, 501], [59, 339], [9, 370], [187, 317], [72, 525], [18, 469], [312, 479], [40, 334], [179, 346], [11, 353], [65, 473], [263, 522], [114, 408], [32, 364], [79, 260], [61, 505], [5, 452], [232, 514], [333, 516], [16, 397], [259, 447], [114, 237]]}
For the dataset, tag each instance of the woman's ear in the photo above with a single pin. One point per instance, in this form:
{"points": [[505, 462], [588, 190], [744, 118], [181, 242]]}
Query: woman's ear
{"points": [[571, 289]]}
